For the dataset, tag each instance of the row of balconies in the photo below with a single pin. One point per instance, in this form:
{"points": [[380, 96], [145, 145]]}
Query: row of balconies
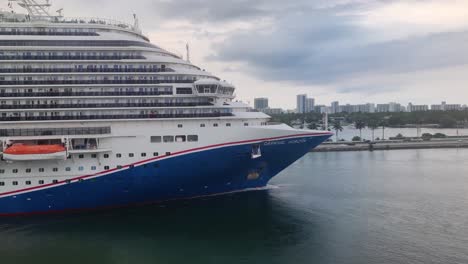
{"points": [[26, 132], [59, 82], [57, 94], [84, 70], [95, 117], [71, 57], [103, 105]]}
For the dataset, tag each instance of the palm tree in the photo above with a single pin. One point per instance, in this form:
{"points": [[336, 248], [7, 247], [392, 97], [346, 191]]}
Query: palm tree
{"points": [[359, 124], [337, 127], [383, 124], [373, 125]]}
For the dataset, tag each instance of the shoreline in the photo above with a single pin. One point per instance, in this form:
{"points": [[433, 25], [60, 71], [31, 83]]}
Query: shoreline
{"points": [[390, 145]]}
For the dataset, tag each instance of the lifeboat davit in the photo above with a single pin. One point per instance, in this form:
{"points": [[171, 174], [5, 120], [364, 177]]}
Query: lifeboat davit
{"points": [[19, 152]]}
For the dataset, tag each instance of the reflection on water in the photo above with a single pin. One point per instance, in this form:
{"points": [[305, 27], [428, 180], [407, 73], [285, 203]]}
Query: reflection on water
{"points": [[408, 206]]}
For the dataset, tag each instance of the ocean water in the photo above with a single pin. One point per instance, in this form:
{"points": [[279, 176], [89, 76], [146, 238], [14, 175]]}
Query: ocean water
{"points": [[408, 206]]}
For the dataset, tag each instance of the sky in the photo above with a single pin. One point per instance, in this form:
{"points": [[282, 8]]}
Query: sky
{"points": [[353, 51]]}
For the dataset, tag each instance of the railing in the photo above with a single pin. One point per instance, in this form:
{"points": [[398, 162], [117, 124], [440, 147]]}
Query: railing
{"points": [[58, 82], [57, 94], [99, 117], [84, 70], [30, 57], [111, 105], [54, 131]]}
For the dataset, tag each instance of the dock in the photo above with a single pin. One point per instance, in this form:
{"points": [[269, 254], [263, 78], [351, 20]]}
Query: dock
{"points": [[391, 145]]}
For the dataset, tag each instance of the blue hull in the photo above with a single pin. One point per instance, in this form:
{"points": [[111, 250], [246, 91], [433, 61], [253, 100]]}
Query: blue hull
{"points": [[206, 172]]}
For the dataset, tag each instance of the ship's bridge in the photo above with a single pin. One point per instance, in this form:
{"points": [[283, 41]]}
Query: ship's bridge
{"points": [[214, 88]]}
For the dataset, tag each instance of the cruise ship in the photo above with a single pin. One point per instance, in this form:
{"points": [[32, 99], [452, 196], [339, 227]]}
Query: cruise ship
{"points": [[95, 116]]}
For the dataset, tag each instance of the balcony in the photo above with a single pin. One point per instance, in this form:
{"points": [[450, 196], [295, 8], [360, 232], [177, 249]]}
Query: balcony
{"points": [[84, 70], [31, 57]]}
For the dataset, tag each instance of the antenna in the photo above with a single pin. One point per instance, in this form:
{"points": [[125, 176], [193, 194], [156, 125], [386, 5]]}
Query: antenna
{"points": [[136, 24], [188, 52]]}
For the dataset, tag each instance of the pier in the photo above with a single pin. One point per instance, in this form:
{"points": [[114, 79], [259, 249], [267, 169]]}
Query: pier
{"points": [[392, 144]]}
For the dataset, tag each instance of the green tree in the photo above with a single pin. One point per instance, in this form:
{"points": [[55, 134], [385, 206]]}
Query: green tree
{"points": [[383, 123], [337, 127], [312, 126], [356, 138], [373, 125], [359, 124]]}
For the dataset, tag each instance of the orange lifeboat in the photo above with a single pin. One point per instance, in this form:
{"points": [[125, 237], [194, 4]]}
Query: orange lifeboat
{"points": [[21, 151]]}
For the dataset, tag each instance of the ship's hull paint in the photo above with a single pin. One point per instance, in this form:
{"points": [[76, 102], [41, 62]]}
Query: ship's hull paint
{"points": [[201, 173]]}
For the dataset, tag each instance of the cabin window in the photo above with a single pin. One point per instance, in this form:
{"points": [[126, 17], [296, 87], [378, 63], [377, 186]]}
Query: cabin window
{"points": [[28, 170], [131, 155], [156, 139], [192, 138], [15, 183], [2, 171], [93, 167], [106, 156], [155, 154], [143, 154], [202, 125], [215, 124], [80, 156], [67, 169], [180, 138], [180, 126], [55, 181], [80, 168], [41, 169], [2, 183], [168, 139], [55, 169], [106, 167], [118, 155], [93, 156], [28, 182], [228, 124], [15, 170], [41, 182], [119, 167], [168, 153], [246, 124]]}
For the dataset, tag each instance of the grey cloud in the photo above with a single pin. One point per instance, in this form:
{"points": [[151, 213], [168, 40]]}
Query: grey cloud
{"points": [[322, 47]]}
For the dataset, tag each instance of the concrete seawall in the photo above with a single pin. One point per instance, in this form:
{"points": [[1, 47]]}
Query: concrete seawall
{"points": [[389, 145]]}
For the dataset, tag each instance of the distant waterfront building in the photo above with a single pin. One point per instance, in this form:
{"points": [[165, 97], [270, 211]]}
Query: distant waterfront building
{"points": [[417, 108], [388, 108], [335, 107], [272, 111], [260, 103], [310, 105], [301, 103], [446, 107]]}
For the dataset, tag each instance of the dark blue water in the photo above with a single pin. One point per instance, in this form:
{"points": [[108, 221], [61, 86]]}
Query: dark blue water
{"points": [[407, 206]]}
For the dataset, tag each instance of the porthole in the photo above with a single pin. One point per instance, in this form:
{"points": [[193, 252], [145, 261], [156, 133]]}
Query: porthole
{"points": [[28, 182], [28, 170], [143, 154], [180, 126], [215, 125], [15, 183], [55, 169], [106, 167], [41, 182], [41, 169], [131, 155], [118, 155], [155, 154], [106, 156], [15, 170]]}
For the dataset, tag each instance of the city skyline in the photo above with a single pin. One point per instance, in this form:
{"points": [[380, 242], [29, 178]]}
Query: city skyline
{"points": [[387, 50]]}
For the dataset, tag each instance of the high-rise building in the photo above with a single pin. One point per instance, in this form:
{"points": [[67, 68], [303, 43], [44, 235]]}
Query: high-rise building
{"points": [[335, 107], [417, 108], [260, 103], [301, 103], [310, 105]]}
